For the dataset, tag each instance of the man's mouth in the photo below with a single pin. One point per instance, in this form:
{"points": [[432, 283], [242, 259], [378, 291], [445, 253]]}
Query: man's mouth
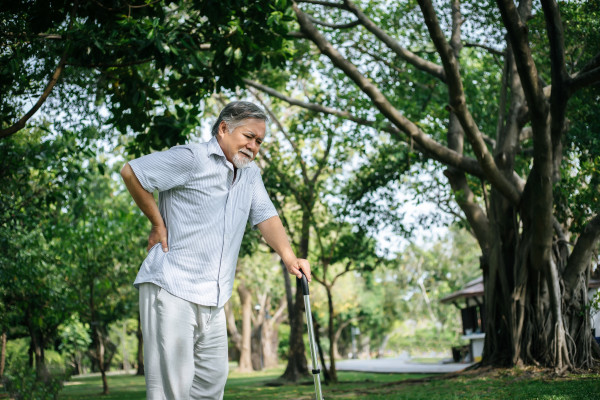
{"points": [[246, 153]]}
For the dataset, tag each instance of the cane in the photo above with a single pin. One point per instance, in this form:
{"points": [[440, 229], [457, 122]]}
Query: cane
{"points": [[311, 338]]}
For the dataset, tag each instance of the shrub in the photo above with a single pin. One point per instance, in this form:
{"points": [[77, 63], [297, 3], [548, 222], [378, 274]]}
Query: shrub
{"points": [[22, 383]]}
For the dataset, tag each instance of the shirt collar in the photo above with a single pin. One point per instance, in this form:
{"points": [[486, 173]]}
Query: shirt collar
{"points": [[215, 148]]}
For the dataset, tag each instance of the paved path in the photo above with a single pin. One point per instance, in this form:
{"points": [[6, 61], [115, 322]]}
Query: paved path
{"points": [[398, 365]]}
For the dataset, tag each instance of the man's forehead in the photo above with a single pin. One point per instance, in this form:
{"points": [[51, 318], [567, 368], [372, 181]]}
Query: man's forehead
{"points": [[257, 127]]}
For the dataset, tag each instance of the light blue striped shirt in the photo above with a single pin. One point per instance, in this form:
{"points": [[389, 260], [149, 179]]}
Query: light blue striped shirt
{"points": [[205, 213]]}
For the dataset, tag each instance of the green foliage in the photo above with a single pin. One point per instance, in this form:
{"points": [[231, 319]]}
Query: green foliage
{"points": [[283, 348], [123, 334], [594, 303], [149, 65], [22, 382], [423, 338], [38, 179], [74, 336], [408, 289], [75, 340], [64, 225]]}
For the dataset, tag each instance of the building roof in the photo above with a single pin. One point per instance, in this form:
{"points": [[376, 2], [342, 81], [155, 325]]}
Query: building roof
{"points": [[471, 289], [475, 288]]}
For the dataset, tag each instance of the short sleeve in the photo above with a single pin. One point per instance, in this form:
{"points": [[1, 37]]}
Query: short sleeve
{"points": [[262, 207], [164, 170]]}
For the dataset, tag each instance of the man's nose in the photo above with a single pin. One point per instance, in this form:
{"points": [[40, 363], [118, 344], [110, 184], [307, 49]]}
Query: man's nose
{"points": [[252, 146]]}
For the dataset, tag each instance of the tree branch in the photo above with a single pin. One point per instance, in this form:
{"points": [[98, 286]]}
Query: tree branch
{"points": [[297, 194], [334, 26], [20, 124], [234, 334], [324, 3], [323, 161], [476, 216], [429, 145], [340, 274], [297, 35], [399, 70], [285, 134], [455, 41], [278, 315], [408, 56], [585, 79], [588, 75], [466, 164], [487, 48], [113, 65], [592, 64], [560, 94], [517, 34], [309, 106], [459, 107], [582, 253]]}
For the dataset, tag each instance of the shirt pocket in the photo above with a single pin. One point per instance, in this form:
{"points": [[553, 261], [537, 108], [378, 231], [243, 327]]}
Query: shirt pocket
{"points": [[243, 202]]}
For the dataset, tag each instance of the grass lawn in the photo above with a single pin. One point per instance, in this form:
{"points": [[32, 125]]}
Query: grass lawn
{"points": [[497, 384]]}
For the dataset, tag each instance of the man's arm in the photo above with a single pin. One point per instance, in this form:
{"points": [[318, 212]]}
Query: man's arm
{"points": [[274, 234], [145, 201]]}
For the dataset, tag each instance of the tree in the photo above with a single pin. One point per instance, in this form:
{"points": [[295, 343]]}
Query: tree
{"points": [[106, 235], [150, 64], [259, 305], [279, 166], [303, 171], [38, 182], [426, 76]]}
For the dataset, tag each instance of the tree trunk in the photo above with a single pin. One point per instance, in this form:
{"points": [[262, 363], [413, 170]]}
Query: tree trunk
{"points": [[270, 334], [257, 347], [383, 345], [100, 350], [533, 316], [259, 322], [3, 355], [140, 349], [297, 365], [37, 350], [270, 343], [126, 363], [234, 334], [245, 364], [338, 334], [331, 336], [317, 328], [97, 339]]}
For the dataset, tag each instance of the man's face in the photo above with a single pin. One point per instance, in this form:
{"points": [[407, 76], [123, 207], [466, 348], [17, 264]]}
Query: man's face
{"points": [[242, 144]]}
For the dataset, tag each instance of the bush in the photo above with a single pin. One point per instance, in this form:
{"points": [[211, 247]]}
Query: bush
{"points": [[283, 347], [22, 383]]}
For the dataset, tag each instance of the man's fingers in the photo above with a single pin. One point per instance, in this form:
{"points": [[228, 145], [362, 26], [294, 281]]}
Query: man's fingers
{"points": [[295, 271], [153, 241], [306, 269], [298, 267]]}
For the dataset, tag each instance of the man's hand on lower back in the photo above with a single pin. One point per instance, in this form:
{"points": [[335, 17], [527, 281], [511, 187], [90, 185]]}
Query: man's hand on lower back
{"points": [[158, 234]]}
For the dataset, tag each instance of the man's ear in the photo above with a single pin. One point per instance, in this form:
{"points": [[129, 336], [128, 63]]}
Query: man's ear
{"points": [[223, 128]]}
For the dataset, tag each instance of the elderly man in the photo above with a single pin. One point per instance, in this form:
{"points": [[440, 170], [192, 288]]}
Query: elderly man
{"points": [[207, 194]]}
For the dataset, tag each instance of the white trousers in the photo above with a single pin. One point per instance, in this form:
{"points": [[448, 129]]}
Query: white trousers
{"points": [[185, 347]]}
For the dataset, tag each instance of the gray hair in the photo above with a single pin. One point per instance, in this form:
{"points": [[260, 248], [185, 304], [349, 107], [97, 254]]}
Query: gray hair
{"points": [[237, 111]]}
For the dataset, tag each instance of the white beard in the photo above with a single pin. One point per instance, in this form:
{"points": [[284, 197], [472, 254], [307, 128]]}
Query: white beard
{"points": [[241, 161]]}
